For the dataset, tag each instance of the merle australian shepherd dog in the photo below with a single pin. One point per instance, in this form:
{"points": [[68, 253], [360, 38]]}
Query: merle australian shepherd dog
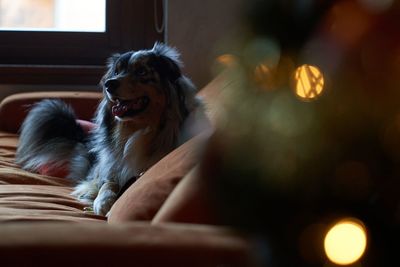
{"points": [[146, 104]]}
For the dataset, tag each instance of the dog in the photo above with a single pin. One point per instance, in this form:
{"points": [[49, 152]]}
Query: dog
{"points": [[145, 108]]}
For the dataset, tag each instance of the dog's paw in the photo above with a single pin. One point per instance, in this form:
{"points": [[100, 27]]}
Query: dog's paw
{"points": [[86, 192], [105, 199]]}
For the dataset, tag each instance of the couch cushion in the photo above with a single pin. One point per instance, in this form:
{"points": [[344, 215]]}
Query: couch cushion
{"points": [[26, 196], [143, 199], [41, 203], [215, 96], [13, 109], [131, 244], [188, 203]]}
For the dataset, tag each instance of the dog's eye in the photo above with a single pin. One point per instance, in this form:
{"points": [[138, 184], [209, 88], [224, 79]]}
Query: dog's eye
{"points": [[141, 71], [118, 68]]}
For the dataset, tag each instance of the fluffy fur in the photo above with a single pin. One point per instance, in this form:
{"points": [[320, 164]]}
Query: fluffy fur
{"points": [[139, 120]]}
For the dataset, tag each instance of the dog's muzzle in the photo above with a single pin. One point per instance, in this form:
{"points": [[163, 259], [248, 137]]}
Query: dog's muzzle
{"points": [[111, 85], [130, 108]]}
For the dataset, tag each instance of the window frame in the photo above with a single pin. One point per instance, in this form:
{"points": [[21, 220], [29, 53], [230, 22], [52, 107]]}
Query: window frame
{"points": [[46, 57]]}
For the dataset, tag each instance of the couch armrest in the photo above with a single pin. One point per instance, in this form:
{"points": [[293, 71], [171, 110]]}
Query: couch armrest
{"points": [[133, 244], [13, 109]]}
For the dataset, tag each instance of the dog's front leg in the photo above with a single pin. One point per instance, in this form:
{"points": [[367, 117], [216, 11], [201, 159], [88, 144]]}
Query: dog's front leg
{"points": [[106, 197]]}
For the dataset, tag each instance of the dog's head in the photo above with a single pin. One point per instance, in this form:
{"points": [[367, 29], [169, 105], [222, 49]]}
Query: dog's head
{"points": [[147, 86]]}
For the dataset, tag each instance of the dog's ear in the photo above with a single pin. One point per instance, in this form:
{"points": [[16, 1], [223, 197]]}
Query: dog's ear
{"points": [[169, 62], [112, 60]]}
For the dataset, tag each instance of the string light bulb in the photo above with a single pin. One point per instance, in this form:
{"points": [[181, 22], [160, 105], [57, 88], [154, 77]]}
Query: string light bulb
{"points": [[345, 242], [308, 82]]}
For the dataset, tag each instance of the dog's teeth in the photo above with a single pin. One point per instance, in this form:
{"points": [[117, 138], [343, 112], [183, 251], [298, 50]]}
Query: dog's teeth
{"points": [[119, 110]]}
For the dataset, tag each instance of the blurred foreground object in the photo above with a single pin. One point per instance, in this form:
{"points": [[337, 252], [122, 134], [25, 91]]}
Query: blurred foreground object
{"points": [[309, 131]]}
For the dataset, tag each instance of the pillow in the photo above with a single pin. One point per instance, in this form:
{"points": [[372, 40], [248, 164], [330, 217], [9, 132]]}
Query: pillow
{"points": [[14, 108], [188, 203], [143, 199]]}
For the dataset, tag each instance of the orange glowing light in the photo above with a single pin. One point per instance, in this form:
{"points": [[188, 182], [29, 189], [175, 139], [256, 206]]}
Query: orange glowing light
{"points": [[261, 70], [262, 76], [227, 60], [309, 82], [345, 242]]}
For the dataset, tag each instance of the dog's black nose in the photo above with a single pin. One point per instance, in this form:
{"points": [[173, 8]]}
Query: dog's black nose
{"points": [[111, 85]]}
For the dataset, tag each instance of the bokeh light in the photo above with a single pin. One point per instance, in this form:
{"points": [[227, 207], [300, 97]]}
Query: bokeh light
{"points": [[262, 50], [261, 70], [224, 62], [349, 22], [227, 60], [345, 242], [263, 76], [377, 6], [309, 82]]}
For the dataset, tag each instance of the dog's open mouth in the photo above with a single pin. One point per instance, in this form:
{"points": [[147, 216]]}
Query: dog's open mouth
{"points": [[123, 108]]}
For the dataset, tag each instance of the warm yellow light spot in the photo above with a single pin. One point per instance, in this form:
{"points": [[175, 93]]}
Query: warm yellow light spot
{"points": [[262, 76], [227, 60], [261, 70], [345, 242], [224, 62], [309, 82]]}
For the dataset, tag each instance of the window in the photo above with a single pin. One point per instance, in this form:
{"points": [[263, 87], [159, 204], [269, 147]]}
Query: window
{"points": [[53, 15], [55, 42]]}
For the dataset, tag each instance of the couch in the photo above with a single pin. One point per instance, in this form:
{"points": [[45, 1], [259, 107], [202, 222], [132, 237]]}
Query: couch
{"points": [[163, 219]]}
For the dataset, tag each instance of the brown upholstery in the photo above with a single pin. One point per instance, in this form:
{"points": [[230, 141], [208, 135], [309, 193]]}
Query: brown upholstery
{"points": [[134, 244], [26, 196], [188, 203]]}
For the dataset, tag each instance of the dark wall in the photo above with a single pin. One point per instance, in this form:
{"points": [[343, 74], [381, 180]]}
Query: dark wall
{"points": [[197, 29]]}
